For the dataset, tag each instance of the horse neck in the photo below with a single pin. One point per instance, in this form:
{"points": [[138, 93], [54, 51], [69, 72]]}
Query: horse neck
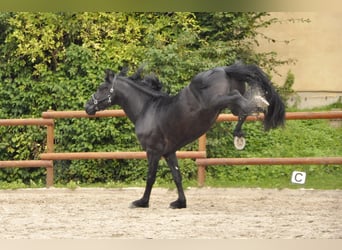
{"points": [[132, 100]]}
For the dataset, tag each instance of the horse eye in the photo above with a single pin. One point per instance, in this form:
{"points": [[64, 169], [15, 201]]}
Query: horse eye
{"points": [[102, 87]]}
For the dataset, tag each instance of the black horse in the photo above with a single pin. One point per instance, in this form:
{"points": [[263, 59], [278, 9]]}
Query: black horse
{"points": [[164, 123]]}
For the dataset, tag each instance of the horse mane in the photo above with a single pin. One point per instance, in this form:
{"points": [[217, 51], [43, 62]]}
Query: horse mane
{"points": [[149, 83]]}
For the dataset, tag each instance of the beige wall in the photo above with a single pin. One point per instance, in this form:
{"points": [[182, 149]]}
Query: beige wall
{"points": [[317, 46]]}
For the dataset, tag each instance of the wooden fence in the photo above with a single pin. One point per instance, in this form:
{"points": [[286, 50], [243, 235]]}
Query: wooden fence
{"points": [[48, 164], [202, 163], [102, 155], [47, 158]]}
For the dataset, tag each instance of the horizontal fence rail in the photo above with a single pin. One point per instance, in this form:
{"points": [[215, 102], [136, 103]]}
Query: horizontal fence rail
{"points": [[26, 164], [288, 115], [270, 161], [27, 122], [114, 155], [82, 114], [222, 117]]}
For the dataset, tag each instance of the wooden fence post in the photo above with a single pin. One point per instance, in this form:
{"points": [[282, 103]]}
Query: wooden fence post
{"points": [[202, 141], [50, 149]]}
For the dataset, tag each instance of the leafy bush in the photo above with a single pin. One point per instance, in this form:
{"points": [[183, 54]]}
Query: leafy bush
{"points": [[55, 61]]}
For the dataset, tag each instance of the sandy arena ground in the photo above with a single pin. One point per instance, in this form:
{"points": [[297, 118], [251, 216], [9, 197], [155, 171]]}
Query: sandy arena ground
{"points": [[212, 213]]}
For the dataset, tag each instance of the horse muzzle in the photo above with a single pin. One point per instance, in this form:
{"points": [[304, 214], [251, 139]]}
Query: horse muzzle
{"points": [[90, 109]]}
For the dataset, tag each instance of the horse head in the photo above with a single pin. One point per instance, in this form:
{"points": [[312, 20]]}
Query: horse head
{"points": [[104, 95], [108, 93]]}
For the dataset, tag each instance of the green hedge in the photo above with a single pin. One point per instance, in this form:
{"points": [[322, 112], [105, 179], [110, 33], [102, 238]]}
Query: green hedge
{"points": [[56, 61]]}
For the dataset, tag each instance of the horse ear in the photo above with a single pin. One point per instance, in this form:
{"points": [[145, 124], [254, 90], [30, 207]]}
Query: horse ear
{"points": [[123, 71], [109, 75], [137, 76]]}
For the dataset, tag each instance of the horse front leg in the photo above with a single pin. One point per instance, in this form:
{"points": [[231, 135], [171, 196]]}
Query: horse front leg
{"points": [[153, 160], [172, 162]]}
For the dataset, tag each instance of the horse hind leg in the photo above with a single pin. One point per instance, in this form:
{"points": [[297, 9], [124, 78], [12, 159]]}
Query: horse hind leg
{"points": [[252, 103], [257, 104], [239, 135], [238, 128], [234, 101], [172, 162], [239, 105]]}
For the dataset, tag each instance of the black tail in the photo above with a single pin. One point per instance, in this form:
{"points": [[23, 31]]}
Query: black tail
{"points": [[253, 75]]}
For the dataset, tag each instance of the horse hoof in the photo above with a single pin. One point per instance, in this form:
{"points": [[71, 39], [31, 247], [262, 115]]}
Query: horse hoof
{"points": [[138, 204], [239, 142], [178, 204]]}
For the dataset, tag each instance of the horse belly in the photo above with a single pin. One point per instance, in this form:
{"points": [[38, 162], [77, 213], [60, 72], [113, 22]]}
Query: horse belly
{"points": [[167, 127], [187, 128]]}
